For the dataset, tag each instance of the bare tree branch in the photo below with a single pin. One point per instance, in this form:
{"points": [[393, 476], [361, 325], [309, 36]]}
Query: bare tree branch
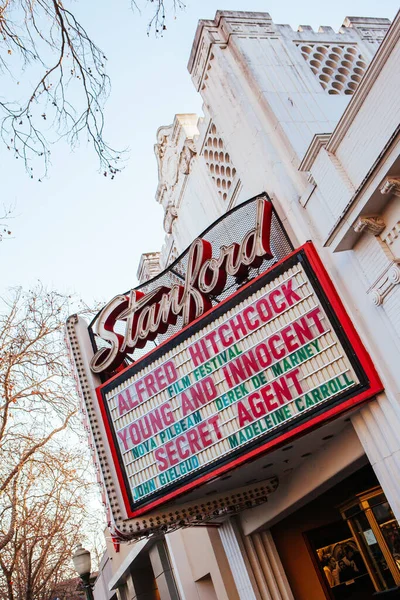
{"points": [[44, 38], [5, 231], [50, 519], [157, 22]]}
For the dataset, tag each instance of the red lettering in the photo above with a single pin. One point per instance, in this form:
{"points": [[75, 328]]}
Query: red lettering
{"points": [[193, 440], [147, 315], [199, 352], [303, 330], [251, 325], [147, 426], [181, 446], [289, 339], [134, 434], [272, 343], [268, 398], [123, 406], [198, 395], [263, 356], [186, 444], [186, 403], [214, 422], [211, 336], [264, 217], [153, 383], [140, 389], [149, 382], [167, 414], [132, 403], [281, 390], [156, 421], [243, 415], [256, 405], [159, 376], [250, 363], [225, 341], [159, 455], [205, 435], [170, 372], [291, 296], [264, 310], [171, 452], [227, 376], [238, 327], [237, 372], [314, 315], [278, 308], [294, 376], [209, 389]]}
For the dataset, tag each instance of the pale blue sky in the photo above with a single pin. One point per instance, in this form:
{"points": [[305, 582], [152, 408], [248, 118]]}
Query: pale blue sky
{"points": [[80, 232]]}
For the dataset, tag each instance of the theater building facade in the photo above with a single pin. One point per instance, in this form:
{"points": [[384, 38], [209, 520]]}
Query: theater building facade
{"points": [[242, 403]]}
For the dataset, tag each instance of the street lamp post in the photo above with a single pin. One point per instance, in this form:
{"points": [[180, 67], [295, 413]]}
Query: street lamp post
{"points": [[81, 560]]}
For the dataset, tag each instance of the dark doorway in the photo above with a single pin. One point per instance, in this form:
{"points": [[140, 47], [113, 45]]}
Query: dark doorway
{"points": [[343, 572]]}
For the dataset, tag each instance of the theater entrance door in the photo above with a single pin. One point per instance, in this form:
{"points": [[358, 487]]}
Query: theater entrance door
{"points": [[359, 555]]}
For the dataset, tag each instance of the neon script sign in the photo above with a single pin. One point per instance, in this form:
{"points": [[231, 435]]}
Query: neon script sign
{"points": [[147, 315]]}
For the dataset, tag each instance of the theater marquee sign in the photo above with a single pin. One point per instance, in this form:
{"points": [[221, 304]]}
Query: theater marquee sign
{"points": [[272, 360]]}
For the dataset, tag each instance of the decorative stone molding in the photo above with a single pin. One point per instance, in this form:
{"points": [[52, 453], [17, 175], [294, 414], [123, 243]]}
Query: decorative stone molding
{"points": [[245, 29], [390, 186], [372, 224], [218, 32], [219, 164], [392, 235], [149, 266], [186, 156], [175, 151], [385, 284], [170, 215], [372, 35], [311, 180], [370, 29], [320, 140], [172, 256], [338, 67]]}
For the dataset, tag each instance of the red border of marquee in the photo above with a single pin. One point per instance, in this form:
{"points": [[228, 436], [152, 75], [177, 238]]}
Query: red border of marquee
{"points": [[375, 386]]}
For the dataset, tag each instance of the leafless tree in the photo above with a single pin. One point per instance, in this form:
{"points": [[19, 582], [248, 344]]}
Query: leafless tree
{"points": [[51, 517], [37, 395], [44, 482], [71, 81]]}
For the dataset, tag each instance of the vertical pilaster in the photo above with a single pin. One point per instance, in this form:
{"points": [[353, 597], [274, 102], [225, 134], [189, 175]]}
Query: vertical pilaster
{"points": [[255, 564], [267, 567], [240, 567], [377, 426], [163, 572]]}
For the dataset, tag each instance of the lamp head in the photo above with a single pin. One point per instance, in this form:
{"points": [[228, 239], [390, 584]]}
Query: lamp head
{"points": [[81, 560]]}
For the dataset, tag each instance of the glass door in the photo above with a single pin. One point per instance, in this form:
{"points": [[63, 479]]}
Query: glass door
{"points": [[340, 564], [377, 534]]}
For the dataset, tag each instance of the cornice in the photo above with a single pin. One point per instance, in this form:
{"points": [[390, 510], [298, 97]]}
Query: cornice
{"points": [[215, 31], [320, 140]]}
